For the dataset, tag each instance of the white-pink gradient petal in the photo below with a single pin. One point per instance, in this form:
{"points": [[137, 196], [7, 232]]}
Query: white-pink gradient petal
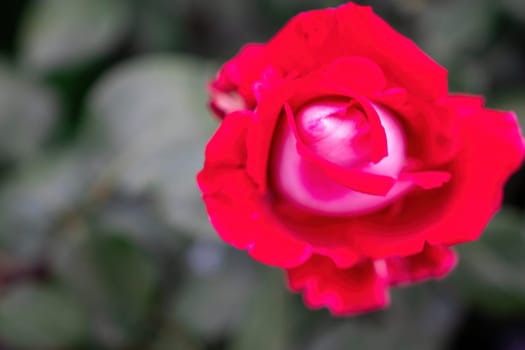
{"points": [[335, 137]]}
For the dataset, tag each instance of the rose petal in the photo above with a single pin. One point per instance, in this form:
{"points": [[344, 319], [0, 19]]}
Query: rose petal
{"points": [[305, 42], [237, 76], [231, 216], [296, 93], [494, 149], [403, 63], [243, 222], [343, 291], [227, 147], [342, 256], [432, 262], [354, 179], [235, 207], [357, 74], [427, 179], [274, 245]]}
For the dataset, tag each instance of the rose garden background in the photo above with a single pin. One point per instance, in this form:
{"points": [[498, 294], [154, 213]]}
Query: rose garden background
{"points": [[104, 242]]}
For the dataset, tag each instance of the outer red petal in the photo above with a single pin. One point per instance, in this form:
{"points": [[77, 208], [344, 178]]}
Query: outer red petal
{"points": [[358, 74], [491, 149], [427, 179], [237, 77], [432, 262], [364, 286], [343, 291], [306, 42], [314, 39], [363, 33], [244, 223], [431, 128], [236, 209], [230, 219], [342, 256], [227, 147]]}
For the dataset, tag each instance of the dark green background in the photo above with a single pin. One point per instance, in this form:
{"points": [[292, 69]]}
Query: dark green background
{"points": [[104, 242]]}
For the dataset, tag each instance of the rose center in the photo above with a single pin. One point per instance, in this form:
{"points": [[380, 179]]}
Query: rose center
{"points": [[339, 133], [334, 132]]}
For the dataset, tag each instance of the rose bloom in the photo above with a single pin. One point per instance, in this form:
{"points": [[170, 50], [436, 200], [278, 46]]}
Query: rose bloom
{"points": [[342, 159]]}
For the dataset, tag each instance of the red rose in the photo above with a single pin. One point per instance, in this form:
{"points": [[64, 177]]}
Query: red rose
{"points": [[343, 159]]}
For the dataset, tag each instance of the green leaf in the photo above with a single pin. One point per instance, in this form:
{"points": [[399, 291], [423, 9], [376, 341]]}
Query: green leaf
{"points": [[173, 336], [41, 317], [213, 304], [137, 218], [112, 277], [38, 196], [62, 33], [420, 318], [128, 275], [448, 29], [515, 8], [513, 100], [491, 270], [151, 114], [28, 113], [266, 321], [160, 25]]}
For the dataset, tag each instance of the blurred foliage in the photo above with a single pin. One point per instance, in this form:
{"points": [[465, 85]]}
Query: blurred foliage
{"points": [[104, 242]]}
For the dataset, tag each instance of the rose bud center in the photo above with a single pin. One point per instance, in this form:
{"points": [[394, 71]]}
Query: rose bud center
{"points": [[336, 133], [340, 133]]}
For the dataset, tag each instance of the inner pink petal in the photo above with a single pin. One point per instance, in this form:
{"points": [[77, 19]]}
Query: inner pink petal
{"points": [[340, 138], [347, 174], [335, 133]]}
